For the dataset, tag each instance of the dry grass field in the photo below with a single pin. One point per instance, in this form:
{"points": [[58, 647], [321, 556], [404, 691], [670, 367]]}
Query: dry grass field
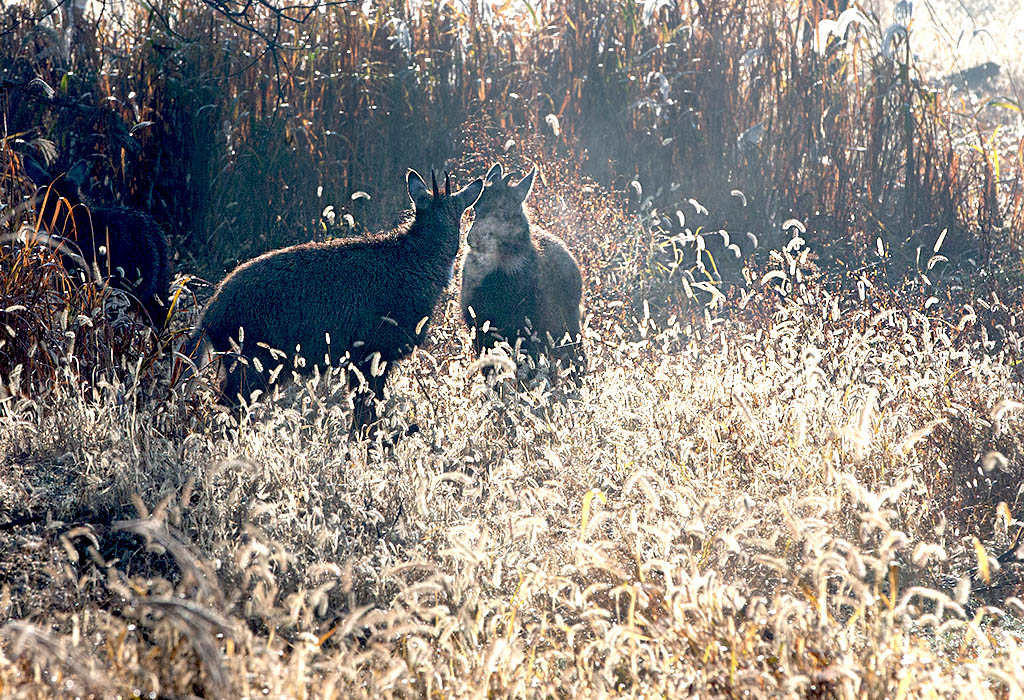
{"points": [[791, 472]]}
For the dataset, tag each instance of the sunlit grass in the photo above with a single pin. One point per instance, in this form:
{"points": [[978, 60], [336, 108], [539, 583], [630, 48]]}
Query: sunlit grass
{"points": [[790, 509], [804, 500]]}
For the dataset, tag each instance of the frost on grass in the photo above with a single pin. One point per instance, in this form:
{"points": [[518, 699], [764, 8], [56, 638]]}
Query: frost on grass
{"points": [[804, 507]]}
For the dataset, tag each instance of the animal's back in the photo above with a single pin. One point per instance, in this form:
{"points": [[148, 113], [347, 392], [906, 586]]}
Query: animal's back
{"points": [[280, 298], [136, 253], [355, 290], [126, 245]]}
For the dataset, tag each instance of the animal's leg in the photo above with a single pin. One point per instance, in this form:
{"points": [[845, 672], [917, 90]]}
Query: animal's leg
{"points": [[157, 313], [233, 380], [367, 385], [242, 378]]}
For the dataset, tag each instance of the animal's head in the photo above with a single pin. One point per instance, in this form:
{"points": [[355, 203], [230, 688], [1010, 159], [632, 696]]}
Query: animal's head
{"points": [[441, 208], [501, 221], [55, 196]]}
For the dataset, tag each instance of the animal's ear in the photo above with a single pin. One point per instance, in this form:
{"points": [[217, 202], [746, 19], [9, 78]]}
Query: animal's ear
{"points": [[524, 186], [418, 190], [37, 173], [78, 174], [494, 174], [467, 196]]}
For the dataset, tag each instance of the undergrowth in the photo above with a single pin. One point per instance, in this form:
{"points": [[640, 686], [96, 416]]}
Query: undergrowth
{"points": [[816, 507]]}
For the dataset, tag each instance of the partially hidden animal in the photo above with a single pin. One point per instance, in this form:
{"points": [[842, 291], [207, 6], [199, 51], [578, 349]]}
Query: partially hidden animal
{"points": [[126, 246], [520, 284], [366, 298], [973, 78]]}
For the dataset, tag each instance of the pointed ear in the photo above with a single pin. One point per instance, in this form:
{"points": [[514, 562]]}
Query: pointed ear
{"points": [[417, 190], [467, 196], [35, 171], [494, 174], [525, 186], [78, 174]]}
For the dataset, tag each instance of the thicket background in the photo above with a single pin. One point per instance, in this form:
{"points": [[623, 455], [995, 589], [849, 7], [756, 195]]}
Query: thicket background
{"points": [[238, 140]]}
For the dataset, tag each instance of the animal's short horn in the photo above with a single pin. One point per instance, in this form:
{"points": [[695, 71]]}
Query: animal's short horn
{"points": [[494, 173], [447, 184], [433, 179]]}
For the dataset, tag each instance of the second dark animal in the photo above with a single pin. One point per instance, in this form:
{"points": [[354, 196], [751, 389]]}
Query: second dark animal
{"points": [[125, 245], [520, 284], [368, 297], [974, 78]]}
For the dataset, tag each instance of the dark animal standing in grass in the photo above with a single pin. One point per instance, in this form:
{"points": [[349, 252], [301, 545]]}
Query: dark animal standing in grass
{"points": [[372, 296], [520, 283], [126, 246], [974, 78]]}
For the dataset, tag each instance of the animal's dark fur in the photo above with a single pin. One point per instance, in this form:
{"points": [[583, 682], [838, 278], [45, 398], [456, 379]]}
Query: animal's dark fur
{"points": [[370, 294], [973, 78], [125, 245], [518, 281]]}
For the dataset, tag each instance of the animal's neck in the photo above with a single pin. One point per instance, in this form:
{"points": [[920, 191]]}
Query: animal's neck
{"points": [[522, 224], [433, 239]]}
